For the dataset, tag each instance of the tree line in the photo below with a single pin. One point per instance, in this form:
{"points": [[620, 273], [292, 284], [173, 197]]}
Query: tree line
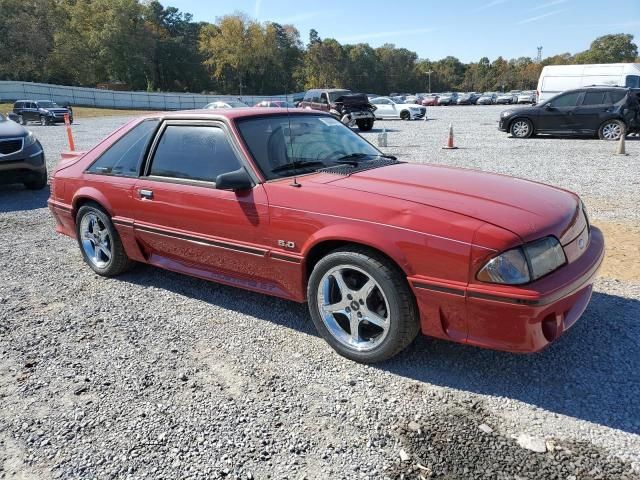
{"points": [[155, 48]]}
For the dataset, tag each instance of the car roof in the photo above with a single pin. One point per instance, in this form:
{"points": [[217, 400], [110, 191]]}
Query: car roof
{"points": [[232, 113]]}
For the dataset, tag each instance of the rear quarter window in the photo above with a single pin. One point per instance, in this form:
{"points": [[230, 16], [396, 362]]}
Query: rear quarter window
{"points": [[124, 157], [615, 96]]}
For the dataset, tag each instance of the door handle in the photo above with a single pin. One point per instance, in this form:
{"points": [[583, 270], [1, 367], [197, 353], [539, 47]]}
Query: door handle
{"points": [[148, 194]]}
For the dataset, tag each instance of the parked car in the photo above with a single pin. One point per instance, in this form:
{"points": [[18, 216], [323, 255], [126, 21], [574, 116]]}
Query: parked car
{"points": [[430, 100], [505, 99], [487, 99], [603, 111], [448, 99], [44, 112], [226, 104], [307, 210], [351, 109], [411, 99], [275, 104], [527, 97], [390, 108], [21, 156], [467, 99]]}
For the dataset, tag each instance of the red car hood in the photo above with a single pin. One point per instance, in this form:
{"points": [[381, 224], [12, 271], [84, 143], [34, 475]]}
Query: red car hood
{"points": [[530, 210]]}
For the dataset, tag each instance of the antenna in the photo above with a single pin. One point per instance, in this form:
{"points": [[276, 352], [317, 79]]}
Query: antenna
{"points": [[286, 104]]}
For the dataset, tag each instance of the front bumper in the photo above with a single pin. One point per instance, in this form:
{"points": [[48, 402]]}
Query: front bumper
{"points": [[29, 163], [521, 320], [503, 124]]}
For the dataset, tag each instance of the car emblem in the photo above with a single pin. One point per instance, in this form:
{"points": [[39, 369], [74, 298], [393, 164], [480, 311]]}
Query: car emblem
{"points": [[581, 243]]}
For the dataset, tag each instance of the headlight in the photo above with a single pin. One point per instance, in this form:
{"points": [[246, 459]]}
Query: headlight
{"points": [[30, 139], [506, 113], [524, 264]]}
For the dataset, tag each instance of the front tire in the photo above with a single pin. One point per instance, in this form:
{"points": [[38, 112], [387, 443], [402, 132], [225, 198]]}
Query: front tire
{"points": [[521, 128], [44, 121], [361, 305], [37, 183], [611, 130], [365, 125], [404, 115], [99, 242], [21, 120]]}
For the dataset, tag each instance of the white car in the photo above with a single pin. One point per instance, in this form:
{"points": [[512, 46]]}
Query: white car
{"points": [[226, 104], [388, 108], [527, 97]]}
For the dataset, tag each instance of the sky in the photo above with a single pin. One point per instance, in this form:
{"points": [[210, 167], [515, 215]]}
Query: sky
{"points": [[466, 29]]}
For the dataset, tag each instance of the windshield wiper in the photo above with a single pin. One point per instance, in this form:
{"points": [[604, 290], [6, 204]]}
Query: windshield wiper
{"points": [[351, 159], [297, 164]]}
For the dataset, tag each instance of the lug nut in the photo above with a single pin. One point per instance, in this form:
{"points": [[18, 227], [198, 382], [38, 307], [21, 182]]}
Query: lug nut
{"points": [[347, 309], [359, 315], [349, 297], [361, 302]]}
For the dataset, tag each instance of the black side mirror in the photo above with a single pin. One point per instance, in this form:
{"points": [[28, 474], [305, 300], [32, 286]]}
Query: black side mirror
{"points": [[548, 106], [236, 181]]}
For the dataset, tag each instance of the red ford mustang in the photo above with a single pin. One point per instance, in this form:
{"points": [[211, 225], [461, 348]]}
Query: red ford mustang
{"points": [[295, 204]]}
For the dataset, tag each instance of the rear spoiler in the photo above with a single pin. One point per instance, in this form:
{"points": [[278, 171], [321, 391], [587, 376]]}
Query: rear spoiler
{"points": [[70, 155]]}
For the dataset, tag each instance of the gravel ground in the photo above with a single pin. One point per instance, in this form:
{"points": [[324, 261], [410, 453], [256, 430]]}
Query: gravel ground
{"points": [[158, 375]]}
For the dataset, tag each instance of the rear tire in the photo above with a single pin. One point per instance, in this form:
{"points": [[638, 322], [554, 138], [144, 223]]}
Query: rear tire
{"points": [[365, 125], [357, 287], [521, 128], [99, 242], [612, 130]]}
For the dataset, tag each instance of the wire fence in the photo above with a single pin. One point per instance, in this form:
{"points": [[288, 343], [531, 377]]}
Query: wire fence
{"points": [[10, 91]]}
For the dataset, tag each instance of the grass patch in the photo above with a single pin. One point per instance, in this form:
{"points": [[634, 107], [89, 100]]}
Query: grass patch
{"points": [[86, 112]]}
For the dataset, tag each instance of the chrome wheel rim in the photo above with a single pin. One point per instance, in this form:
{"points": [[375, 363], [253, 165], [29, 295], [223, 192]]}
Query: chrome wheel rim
{"points": [[96, 241], [611, 131], [521, 128], [354, 308], [43, 121], [21, 120]]}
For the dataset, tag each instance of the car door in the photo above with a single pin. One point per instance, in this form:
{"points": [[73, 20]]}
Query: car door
{"points": [[184, 223], [31, 112], [383, 107], [592, 111], [558, 114]]}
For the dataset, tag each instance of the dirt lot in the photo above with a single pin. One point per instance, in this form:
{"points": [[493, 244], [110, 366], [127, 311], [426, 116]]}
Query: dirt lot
{"points": [[157, 375]]}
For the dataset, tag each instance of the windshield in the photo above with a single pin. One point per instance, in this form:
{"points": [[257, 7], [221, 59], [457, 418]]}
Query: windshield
{"points": [[305, 141], [47, 105], [337, 94]]}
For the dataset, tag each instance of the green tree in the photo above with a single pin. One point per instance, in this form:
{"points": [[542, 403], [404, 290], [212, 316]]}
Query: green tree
{"points": [[26, 36], [610, 49]]}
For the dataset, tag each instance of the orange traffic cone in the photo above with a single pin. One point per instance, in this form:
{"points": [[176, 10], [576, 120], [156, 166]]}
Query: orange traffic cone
{"points": [[449, 145]]}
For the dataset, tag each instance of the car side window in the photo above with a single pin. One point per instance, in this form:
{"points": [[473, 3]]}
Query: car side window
{"points": [[615, 96], [123, 158], [192, 152], [566, 100], [593, 98]]}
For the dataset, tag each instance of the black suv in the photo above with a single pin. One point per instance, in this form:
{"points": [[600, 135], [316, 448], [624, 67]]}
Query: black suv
{"points": [[44, 112], [602, 111]]}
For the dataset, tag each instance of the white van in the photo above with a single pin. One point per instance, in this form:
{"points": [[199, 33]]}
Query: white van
{"points": [[555, 79]]}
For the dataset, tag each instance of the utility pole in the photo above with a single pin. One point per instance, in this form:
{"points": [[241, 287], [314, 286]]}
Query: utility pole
{"points": [[429, 73], [539, 57]]}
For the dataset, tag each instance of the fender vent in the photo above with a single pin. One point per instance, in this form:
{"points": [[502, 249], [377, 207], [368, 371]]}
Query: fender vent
{"points": [[361, 167]]}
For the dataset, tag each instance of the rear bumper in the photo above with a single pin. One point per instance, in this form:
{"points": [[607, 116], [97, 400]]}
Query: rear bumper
{"points": [[521, 320]]}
